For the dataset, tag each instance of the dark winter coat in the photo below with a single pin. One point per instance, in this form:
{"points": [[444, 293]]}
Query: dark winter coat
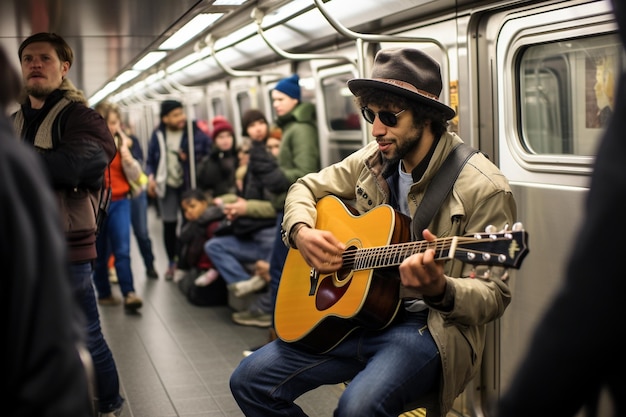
{"points": [[75, 146]]}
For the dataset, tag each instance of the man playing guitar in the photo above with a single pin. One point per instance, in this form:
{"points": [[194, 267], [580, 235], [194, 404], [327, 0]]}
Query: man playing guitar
{"points": [[431, 342]]}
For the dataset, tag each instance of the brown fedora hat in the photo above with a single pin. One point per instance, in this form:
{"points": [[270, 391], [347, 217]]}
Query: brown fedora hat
{"points": [[407, 72]]}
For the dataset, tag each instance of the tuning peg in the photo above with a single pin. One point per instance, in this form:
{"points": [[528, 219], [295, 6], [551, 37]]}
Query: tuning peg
{"points": [[491, 229], [518, 227]]}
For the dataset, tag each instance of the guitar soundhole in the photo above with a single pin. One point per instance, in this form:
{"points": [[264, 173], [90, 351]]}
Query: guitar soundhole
{"points": [[328, 294], [347, 265], [343, 273]]}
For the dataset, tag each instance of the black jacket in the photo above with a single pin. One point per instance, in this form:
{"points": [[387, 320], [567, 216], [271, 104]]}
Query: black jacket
{"points": [[41, 320]]}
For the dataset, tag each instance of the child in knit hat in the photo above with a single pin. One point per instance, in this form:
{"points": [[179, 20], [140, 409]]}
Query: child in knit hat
{"points": [[223, 133], [216, 172]]}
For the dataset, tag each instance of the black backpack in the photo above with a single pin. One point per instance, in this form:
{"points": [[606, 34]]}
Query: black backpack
{"points": [[214, 294]]}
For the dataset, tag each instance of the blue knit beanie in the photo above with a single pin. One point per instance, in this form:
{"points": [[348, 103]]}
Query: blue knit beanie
{"points": [[290, 86]]}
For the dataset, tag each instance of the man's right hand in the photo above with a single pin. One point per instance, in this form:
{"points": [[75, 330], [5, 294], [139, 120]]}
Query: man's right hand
{"points": [[320, 249]]}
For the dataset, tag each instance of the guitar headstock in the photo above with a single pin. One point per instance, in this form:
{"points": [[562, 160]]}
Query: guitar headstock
{"points": [[506, 248]]}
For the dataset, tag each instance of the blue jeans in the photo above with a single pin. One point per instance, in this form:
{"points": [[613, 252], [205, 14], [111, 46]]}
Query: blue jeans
{"points": [[139, 221], [277, 260], [388, 369], [114, 237], [107, 382], [230, 253], [265, 303]]}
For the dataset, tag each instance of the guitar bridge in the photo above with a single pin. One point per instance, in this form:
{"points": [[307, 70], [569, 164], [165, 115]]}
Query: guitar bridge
{"points": [[314, 277]]}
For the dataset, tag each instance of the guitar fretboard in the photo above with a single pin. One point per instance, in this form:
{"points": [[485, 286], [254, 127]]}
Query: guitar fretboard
{"points": [[445, 248], [393, 255]]}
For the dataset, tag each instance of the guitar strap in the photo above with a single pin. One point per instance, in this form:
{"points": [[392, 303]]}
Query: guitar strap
{"points": [[440, 187]]}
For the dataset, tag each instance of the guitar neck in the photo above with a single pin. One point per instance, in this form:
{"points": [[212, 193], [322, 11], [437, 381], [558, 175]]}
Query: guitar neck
{"points": [[393, 255]]}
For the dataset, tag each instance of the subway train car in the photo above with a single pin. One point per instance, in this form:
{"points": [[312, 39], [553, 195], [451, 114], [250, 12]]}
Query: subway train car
{"points": [[532, 83]]}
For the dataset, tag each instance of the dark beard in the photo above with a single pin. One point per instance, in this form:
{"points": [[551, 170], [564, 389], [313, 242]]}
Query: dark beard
{"points": [[407, 147], [39, 92]]}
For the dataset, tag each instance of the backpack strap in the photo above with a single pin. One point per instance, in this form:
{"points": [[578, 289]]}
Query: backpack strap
{"points": [[440, 187]]}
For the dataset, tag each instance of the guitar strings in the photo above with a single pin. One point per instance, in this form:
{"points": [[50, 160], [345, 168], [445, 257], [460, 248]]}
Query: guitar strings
{"points": [[367, 258]]}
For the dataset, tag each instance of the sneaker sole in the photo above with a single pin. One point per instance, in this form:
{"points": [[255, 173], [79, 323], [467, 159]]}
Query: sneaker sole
{"points": [[241, 289], [133, 306], [253, 322]]}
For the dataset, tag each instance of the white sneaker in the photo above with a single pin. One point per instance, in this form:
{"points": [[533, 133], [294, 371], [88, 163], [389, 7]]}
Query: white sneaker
{"points": [[242, 288], [179, 275], [207, 278]]}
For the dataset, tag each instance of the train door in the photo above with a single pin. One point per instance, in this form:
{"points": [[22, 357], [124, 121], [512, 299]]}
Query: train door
{"points": [[218, 100], [545, 78], [244, 96], [339, 119]]}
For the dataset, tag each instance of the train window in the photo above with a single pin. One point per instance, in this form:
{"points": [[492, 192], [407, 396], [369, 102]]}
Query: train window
{"points": [[341, 109], [217, 104], [243, 102], [567, 93]]}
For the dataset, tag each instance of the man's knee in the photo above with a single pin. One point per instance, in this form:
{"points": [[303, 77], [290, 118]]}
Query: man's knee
{"points": [[213, 246]]}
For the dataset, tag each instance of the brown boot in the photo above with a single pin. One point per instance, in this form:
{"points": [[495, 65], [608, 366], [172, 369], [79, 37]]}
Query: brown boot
{"points": [[272, 336], [132, 302]]}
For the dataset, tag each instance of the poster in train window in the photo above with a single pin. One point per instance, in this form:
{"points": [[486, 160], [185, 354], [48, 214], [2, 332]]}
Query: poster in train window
{"points": [[600, 71]]}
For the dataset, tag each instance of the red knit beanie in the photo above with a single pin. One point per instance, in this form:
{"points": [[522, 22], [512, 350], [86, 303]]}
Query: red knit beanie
{"points": [[221, 124]]}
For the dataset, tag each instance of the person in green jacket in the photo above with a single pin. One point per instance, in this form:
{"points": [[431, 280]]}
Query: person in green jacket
{"points": [[298, 155]]}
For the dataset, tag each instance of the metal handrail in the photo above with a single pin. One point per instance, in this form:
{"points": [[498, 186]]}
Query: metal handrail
{"points": [[258, 16], [230, 71]]}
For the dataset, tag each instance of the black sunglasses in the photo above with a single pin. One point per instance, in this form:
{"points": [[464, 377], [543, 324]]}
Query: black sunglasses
{"points": [[386, 117]]}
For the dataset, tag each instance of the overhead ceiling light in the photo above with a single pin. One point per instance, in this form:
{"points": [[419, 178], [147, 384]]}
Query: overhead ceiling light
{"points": [[153, 78], [228, 2], [149, 60], [127, 76], [236, 36], [105, 91], [191, 29], [182, 63]]}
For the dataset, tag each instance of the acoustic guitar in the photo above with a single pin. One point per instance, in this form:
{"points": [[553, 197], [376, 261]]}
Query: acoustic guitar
{"points": [[318, 311]]}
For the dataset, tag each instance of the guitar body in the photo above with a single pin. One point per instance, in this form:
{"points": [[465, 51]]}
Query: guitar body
{"points": [[318, 311]]}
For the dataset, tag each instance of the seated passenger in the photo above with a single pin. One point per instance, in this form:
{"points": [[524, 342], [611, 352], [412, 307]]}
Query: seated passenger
{"points": [[432, 347], [261, 276], [253, 220], [201, 221], [216, 171]]}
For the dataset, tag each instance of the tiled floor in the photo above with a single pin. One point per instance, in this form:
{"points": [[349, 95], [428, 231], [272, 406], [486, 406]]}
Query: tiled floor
{"points": [[175, 359]]}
